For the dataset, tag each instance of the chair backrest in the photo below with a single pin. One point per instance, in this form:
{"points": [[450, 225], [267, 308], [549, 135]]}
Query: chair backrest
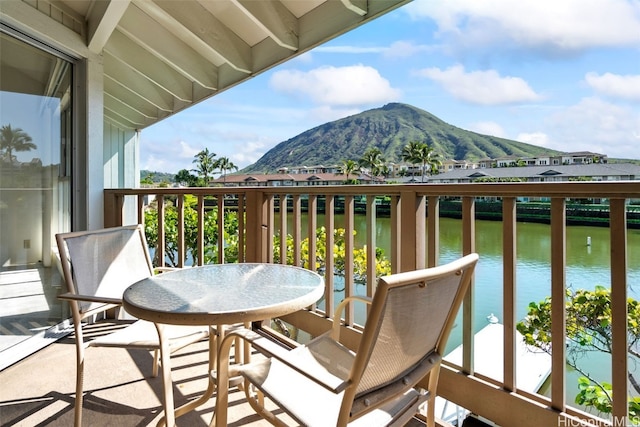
{"points": [[104, 262], [409, 322]]}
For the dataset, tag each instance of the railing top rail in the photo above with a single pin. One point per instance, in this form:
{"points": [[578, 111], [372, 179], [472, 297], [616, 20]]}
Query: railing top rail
{"points": [[586, 189]]}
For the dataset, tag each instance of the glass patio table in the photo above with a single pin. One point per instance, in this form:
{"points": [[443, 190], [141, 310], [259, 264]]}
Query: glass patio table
{"points": [[222, 294]]}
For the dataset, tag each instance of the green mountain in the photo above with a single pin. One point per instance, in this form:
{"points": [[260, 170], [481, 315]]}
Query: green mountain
{"points": [[388, 128]]}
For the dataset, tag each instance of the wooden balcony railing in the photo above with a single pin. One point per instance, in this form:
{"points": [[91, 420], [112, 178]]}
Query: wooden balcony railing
{"points": [[414, 213]]}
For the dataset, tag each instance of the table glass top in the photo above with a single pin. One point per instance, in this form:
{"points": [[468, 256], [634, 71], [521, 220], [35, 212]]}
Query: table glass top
{"points": [[225, 288]]}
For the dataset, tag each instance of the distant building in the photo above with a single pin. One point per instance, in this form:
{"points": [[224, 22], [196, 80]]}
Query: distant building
{"points": [[553, 173], [298, 179], [502, 168], [575, 158]]}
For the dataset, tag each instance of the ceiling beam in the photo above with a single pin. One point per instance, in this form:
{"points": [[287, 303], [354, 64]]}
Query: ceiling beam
{"points": [[140, 28], [357, 6], [102, 21], [198, 28], [136, 99], [142, 62], [135, 121], [274, 19]]}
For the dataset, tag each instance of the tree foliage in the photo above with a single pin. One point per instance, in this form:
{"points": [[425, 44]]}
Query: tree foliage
{"points": [[421, 153], [349, 167], [383, 265], [206, 165], [588, 330], [225, 165], [185, 178], [372, 160], [191, 233], [14, 140]]}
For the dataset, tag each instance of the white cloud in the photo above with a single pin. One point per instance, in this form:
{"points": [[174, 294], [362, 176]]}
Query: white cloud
{"points": [[350, 49], [166, 156], [398, 49], [536, 138], [345, 86], [250, 151], [567, 25], [187, 151], [488, 128], [481, 87], [615, 85], [406, 49], [326, 113], [596, 125]]}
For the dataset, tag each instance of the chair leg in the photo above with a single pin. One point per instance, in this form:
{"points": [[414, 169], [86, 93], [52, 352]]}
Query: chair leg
{"points": [[431, 402], [77, 411], [77, 418], [256, 400], [167, 384], [156, 362]]}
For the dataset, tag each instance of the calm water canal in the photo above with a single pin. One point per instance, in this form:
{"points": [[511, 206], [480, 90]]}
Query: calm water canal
{"points": [[587, 266]]}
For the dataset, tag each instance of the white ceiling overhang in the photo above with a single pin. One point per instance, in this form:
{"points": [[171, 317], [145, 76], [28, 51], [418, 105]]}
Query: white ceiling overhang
{"points": [[162, 56]]}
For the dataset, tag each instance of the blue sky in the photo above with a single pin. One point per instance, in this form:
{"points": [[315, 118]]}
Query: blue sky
{"points": [[563, 75]]}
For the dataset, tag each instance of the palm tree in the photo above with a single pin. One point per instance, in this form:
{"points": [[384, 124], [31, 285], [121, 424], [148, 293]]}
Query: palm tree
{"points": [[347, 168], [372, 160], [421, 153], [435, 162], [15, 140], [205, 165], [224, 164]]}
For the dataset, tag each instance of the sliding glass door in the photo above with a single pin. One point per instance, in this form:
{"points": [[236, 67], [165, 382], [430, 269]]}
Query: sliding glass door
{"points": [[35, 183]]}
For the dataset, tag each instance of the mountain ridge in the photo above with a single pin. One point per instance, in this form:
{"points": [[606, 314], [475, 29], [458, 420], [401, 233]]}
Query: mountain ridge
{"points": [[388, 128]]}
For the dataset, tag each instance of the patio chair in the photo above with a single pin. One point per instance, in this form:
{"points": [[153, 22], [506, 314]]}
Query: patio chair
{"points": [[324, 383], [98, 266]]}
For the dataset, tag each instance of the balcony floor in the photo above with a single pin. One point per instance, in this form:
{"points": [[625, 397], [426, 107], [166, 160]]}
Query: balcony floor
{"points": [[39, 390], [119, 391]]}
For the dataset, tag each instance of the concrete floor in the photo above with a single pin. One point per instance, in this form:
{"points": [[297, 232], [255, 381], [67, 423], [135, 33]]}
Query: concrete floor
{"points": [[119, 389], [39, 390]]}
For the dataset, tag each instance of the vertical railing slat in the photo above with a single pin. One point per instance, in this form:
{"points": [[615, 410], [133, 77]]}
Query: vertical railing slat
{"points": [[283, 229], [468, 246], [329, 225], [558, 298], [297, 229], [200, 230], [270, 225], [312, 224], [220, 225], [433, 231], [160, 249], [619, 310], [371, 244], [241, 229], [180, 228], [509, 291], [396, 234], [412, 231], [349, 288], [141, 207]]}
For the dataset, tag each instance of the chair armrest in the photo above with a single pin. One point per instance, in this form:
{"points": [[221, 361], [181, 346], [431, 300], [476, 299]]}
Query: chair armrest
{"points": [[297, 359], [335, 329], [90, 298]]}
